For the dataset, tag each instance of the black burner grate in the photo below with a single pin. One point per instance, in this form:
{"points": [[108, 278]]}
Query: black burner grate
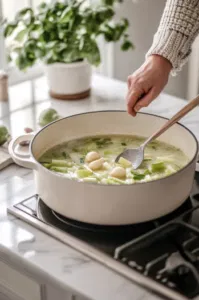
{"points": [[167, 255]]}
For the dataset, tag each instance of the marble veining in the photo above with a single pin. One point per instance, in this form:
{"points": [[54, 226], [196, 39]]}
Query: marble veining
{"points": [[70, 263], [32, 249]]}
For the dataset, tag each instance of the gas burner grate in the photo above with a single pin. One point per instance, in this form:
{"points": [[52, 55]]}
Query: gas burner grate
{"points": [[169, 255]]}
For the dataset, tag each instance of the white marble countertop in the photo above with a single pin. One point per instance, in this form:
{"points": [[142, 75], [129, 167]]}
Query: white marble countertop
{"points": [[30, 249]]}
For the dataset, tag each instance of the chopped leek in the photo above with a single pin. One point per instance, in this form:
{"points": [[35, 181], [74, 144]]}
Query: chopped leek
{"points": [[45, 160], [46, 165], [59, 169], [158, 167], [147, 172], [113, 180], [138, 176], [103, 142], [82, 173], [108, 152], [65, 154], [124, 162], [61, 163]]}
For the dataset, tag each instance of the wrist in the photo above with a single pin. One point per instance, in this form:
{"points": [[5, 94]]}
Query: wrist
{"points": [[162, 61]]}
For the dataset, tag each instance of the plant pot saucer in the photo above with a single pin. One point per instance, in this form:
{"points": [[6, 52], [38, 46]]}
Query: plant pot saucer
{"points": [[78, 96]]}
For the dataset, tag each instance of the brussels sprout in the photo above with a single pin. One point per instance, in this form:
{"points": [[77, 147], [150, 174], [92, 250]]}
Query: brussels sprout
{"points": [[4, 134], [47, 116]]}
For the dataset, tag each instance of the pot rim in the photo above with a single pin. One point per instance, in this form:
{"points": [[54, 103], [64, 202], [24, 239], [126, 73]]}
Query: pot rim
{"points": [[115, 185]]}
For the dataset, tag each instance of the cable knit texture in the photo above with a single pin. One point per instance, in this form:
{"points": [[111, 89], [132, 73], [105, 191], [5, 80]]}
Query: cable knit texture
{"points": [[178, 28]]}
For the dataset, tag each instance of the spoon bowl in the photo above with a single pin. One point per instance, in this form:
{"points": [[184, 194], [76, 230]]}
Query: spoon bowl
{"points": [[136, 156]]}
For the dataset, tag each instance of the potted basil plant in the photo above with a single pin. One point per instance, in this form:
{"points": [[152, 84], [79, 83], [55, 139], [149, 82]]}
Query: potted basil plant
{"points": [[64, 36]]}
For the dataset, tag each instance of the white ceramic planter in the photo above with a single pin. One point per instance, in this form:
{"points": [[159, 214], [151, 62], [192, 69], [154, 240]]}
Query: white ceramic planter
{"points": [[69, 81]]}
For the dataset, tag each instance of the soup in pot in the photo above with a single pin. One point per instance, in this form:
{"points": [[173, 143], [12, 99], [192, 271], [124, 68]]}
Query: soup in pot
{"points": [[92, 159]]}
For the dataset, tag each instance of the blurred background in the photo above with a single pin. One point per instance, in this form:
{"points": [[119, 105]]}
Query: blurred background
{"points": [[144, 18]]}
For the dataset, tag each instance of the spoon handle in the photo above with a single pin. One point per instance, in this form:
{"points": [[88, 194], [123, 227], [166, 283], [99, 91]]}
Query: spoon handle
{"points": [[191, 105]]}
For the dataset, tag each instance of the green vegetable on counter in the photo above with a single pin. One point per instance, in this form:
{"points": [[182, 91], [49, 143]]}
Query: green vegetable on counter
{"points": [[47, 116], [4, 134], [158, 167]]}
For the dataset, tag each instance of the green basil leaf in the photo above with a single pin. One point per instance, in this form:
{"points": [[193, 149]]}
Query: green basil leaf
{"points": [[9, 29], [23, 12], [66, 15], [109, 2], [25, 15], [21, 34], [126, 45], [17, 49], [42, 6]]}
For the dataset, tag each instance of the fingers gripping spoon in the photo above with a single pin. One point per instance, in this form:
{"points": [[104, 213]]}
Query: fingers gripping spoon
{"points": [[136, 156]]}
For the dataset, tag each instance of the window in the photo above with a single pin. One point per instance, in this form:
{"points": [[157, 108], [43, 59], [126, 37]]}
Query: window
{"points": [[8, 9]]}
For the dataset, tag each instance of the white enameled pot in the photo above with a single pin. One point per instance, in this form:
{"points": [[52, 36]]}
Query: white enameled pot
{"points": [[109, 204]]}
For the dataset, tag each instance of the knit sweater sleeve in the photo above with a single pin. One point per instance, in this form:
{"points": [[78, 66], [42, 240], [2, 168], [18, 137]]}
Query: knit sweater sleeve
{"points": [[178, 28]]}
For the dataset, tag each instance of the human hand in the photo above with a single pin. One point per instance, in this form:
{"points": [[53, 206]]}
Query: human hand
{"points": [[146, 83]]}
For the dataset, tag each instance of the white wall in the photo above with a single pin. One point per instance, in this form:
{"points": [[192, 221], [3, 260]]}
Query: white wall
{"points": [[144, 17]]}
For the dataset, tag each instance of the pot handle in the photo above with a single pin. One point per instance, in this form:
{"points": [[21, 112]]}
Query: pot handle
{"points": [[22, 158]]}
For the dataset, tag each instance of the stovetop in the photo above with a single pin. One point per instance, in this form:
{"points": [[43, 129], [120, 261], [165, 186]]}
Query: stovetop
{"points": [[162, 255]]}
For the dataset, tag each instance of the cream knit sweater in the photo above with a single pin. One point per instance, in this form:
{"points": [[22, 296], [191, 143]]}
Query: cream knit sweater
{"points": [[178, 28]]}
